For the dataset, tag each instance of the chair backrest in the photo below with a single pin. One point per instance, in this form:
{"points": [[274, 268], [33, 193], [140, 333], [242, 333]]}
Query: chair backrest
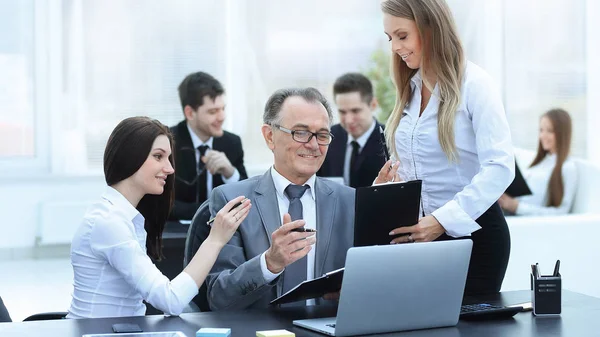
{"points": [[197, 233], [588, 185], [46, 316]]}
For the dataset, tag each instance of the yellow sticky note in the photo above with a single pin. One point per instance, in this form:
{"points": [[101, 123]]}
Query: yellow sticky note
{"points": [[275, 333]]}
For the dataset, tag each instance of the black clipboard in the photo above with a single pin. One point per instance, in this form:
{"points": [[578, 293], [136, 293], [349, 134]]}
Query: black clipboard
{"points": [[519, 186], [381, 208], [328, 283]]}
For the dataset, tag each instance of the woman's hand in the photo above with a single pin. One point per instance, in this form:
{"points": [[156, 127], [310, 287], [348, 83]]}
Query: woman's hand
{"points": [[508, 203], [428, 229], [227, 220], [388, 173]]}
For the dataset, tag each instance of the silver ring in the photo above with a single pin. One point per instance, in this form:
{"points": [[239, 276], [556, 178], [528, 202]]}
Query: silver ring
{"points": [[410, 239]]}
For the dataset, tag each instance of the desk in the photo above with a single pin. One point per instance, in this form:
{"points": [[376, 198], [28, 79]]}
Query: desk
{"points": [[579, 318]]}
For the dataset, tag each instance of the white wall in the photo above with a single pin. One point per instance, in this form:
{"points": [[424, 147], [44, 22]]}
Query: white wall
{"points": [[22, 200]]}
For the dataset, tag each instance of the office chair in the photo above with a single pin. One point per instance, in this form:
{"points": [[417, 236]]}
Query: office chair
{"points": [[197, 233], [45, 316]]}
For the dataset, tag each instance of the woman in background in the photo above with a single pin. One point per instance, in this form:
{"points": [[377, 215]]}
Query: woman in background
{"points": [[552, 176], [448, 129], [111, 250]]}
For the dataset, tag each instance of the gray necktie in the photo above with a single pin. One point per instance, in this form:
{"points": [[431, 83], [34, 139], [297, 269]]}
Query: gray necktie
{"points": [[295, 272]]}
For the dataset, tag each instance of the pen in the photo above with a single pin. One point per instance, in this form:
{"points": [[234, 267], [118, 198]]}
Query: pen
{"points": [[209, 222], [382, 140], [556, 267], [302, 229]]}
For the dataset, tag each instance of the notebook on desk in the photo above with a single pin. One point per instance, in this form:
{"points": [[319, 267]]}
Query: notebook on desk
{"points": [[397, 288], [519, 186], [328, 283], [381, 208]]}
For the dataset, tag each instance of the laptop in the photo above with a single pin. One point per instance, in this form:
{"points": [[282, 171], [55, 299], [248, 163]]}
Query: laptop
{"points": [[411, 286]]}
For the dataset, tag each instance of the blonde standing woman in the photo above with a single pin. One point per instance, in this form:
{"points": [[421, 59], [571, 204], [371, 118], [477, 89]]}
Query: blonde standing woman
{"points": [[448, 129]]}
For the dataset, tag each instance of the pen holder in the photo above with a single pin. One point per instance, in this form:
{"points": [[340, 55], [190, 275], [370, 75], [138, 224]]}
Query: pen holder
{"points": [[546, 294]]}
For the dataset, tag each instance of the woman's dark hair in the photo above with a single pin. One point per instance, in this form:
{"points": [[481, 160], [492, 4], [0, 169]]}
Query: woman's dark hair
{"points": [[127, 149], [562, 127]]}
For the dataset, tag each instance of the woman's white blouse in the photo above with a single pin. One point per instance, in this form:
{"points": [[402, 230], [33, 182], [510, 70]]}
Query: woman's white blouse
{"points": [[457, 193], [537, 178], [112, 273]]}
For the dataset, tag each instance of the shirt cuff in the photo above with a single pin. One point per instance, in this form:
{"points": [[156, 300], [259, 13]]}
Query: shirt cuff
{"points": [[185, 287], [455, 220], [265, 271], [234, 177]]}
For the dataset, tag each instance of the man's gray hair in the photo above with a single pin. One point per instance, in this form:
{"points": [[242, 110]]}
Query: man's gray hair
{"points": [[275, 102]]}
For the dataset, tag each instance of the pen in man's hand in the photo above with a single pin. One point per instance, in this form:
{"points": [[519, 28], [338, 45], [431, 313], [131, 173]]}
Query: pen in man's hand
{"points": [[209, 222], [302, 229]]}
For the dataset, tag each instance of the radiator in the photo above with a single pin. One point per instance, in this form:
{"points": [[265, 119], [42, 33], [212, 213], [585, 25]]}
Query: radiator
{"points": [[59, 220]]}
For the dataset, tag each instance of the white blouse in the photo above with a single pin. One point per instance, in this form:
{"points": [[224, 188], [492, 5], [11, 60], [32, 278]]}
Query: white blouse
{"points": [[537, 178], [112, 273], [457, 193]]}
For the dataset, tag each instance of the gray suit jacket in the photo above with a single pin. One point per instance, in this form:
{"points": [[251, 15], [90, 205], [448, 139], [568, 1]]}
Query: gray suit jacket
{"points": [[236, 280]]}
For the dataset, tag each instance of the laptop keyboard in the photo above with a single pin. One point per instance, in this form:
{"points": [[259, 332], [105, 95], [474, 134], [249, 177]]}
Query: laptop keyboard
{"points": [[331, 325], [487, 311]]}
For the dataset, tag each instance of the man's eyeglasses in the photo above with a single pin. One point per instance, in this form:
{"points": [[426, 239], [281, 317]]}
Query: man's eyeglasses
{"points": [[304, 136]]}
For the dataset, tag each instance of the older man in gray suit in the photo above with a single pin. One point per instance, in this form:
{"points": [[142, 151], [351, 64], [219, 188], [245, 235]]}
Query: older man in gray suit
{"points": [[273, 250]]}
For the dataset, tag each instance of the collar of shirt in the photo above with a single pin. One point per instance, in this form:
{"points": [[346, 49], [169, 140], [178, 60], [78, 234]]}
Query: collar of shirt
{"points": [[362, 140], [417, 79], [282, 182], [196, 141], [120, 202]]}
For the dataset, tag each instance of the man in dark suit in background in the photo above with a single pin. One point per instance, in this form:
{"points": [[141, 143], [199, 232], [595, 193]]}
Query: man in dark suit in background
{"points": [[206, 156], [356, 153]]}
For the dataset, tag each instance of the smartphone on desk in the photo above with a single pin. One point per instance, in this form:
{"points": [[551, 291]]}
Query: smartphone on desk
{"points": [[126, 327]]}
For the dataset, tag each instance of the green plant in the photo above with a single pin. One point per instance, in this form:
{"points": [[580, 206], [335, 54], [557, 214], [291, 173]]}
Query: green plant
{"points": [[379, 74]]}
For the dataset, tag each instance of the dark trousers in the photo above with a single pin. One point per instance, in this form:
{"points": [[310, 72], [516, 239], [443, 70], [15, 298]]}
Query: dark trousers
{"points": [[491, 250]]}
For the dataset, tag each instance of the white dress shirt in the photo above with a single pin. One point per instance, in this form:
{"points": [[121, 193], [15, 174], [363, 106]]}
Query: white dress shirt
{"points": [[209, 178], [537, 178], [112, 273], [457, 193], [362, 140], [309, 214]]}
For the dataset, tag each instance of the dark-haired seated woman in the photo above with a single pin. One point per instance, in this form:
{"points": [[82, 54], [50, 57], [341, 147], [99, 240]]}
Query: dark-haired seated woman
{"points": [[552, 176], [111, 250]]}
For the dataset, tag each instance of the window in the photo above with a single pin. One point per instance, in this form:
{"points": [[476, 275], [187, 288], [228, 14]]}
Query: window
{"points": [[272, 49], [17, 113], [126, 58], [545, 67]]}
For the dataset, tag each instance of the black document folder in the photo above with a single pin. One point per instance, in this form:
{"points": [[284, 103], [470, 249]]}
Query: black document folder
{"points": [[518, 187], [381, 208], [328, 283]]}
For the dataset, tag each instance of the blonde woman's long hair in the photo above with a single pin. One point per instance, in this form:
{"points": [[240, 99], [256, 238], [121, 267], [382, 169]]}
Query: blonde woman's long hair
{"points": [[442, 54]]}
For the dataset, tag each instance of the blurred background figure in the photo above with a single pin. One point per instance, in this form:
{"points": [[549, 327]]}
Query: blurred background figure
{"points": [[206, 155], [356, 152], [552, 176]]}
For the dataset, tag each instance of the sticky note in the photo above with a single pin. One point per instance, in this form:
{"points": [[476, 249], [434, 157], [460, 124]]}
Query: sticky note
{"points": [[275, 333], [213, 332]]}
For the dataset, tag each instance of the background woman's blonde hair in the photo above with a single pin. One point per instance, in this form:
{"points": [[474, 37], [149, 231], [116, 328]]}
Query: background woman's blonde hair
{"points": [[442, 55]]}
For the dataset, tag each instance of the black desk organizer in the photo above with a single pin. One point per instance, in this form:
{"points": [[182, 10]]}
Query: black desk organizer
{"points": [[546, 294]]}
